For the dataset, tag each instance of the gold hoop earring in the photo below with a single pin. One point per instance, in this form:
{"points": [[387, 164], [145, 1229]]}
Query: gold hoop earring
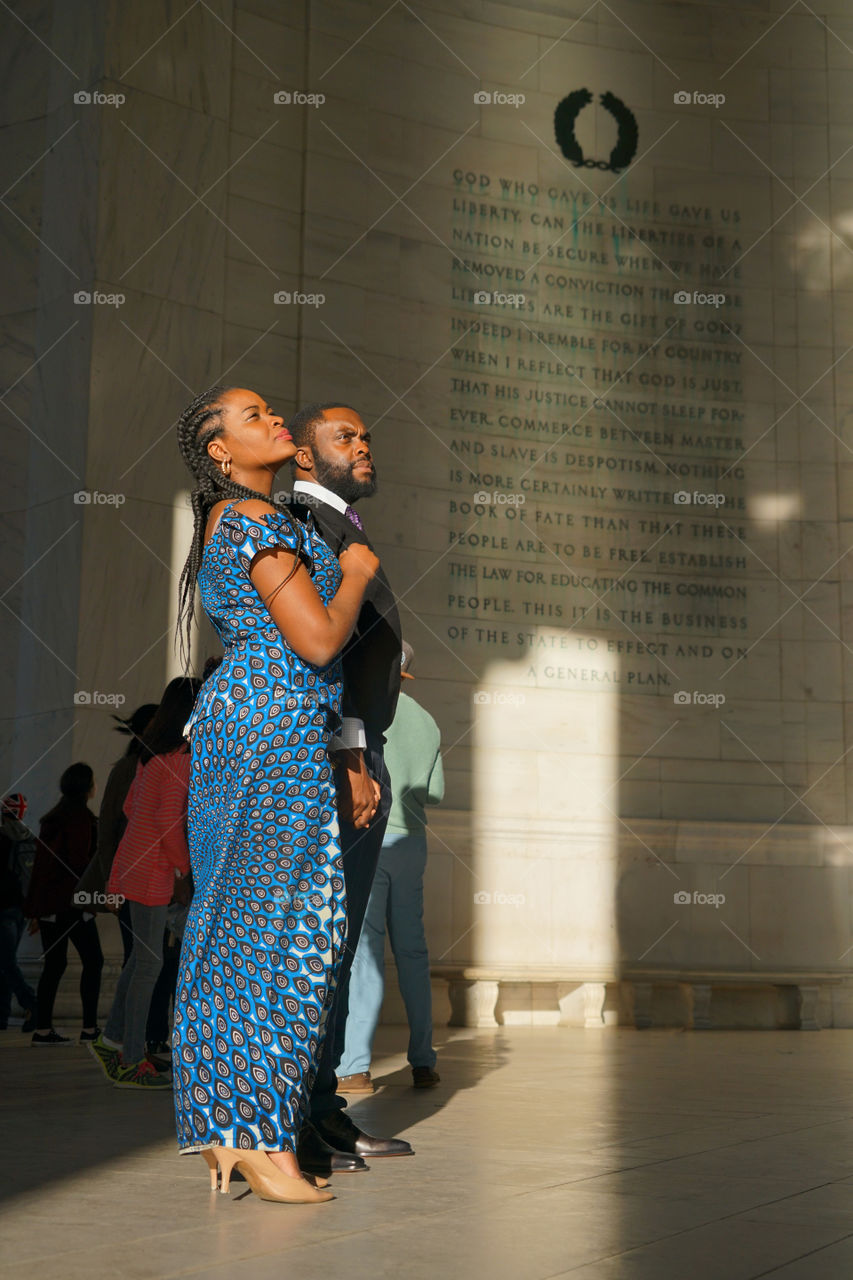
{"points": [[225, 468]]}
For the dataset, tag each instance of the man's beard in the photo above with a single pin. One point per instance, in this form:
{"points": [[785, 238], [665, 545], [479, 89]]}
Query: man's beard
{"points": [[339, 478]]}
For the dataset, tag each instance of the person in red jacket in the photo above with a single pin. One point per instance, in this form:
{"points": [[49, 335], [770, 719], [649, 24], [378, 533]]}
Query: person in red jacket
{"points": [[150, 869], [67, 840]]}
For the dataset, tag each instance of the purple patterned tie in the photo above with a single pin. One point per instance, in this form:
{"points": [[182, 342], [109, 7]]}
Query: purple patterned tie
{"points": [[352, 514]]}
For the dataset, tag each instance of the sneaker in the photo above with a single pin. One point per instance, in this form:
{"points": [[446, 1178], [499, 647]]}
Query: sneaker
{"points": [[50, 1037], [108, 1059], [424, 1077], [86, 1036], [360, 1082], [141, 1075], [159, 1054]]}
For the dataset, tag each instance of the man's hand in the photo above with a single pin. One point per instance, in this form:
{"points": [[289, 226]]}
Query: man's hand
{"points": [[358, 793]]}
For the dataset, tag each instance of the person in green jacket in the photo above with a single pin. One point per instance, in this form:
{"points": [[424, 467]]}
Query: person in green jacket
{"points": [[413, 758]]}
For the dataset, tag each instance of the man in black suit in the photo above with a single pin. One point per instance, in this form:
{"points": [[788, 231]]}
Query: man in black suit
{"points": [[333, 469]]}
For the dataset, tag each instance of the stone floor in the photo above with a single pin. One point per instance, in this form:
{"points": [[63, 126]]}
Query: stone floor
{"points": [[544, 1152]]}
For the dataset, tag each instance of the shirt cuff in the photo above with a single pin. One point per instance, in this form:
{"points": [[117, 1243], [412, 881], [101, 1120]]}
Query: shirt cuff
{"points": [[352, 735]]}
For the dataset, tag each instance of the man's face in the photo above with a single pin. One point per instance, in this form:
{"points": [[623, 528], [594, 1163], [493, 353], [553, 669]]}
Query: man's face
{"points": [[342, 460]]}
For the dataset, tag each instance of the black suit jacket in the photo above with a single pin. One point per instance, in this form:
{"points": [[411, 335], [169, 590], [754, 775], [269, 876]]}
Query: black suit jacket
{"points": [[371, 658]]}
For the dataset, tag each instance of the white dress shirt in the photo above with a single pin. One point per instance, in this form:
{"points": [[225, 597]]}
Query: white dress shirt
{"points": [[322, 493]]}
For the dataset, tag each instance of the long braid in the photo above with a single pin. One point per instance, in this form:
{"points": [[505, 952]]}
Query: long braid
{"points": [[200, 423]]}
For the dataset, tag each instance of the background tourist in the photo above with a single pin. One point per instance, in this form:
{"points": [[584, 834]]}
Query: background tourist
{"points": [[413, 758], [150, 869], [67, 839]]}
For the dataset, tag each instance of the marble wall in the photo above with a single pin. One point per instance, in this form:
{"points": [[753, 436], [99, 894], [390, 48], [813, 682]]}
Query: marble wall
{"points": [[641, 698]]}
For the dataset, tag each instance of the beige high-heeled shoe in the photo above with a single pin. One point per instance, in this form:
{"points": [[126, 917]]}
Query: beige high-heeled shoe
{"points": [[264, 1178], [315, 1180], [210, 1161]]}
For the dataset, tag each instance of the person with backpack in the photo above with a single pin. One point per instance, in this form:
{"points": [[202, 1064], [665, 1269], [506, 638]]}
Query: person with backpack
{"points": [[17, 853]]}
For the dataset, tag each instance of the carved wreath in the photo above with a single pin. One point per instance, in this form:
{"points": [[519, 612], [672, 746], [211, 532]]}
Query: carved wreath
{"points": [[564, 128]]}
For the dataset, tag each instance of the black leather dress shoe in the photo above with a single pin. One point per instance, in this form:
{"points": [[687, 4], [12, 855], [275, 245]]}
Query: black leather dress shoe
{"points": [[316, 1156], [338, 1130]]}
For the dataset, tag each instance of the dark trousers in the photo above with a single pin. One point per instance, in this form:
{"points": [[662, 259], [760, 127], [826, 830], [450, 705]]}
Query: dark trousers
{"points": [[126, 931], [360, 849], [55, 935], [163, 994], [12, 981]]}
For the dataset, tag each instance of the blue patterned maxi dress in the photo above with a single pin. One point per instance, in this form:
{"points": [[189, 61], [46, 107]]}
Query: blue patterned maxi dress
{"points": [[266, 930]]}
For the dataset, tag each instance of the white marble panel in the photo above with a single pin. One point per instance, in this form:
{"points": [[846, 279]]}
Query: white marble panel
{"points": [[250, 292], [802, 913], [262, 235], [262, 361], [284, 15], [176, 53], [433, 39], [153, 233], [147, 466], [26, 64], [264, 173], [798, 96], [758, 40], [386, 82]]}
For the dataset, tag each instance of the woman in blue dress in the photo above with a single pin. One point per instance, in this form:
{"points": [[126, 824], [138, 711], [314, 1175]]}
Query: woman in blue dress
{"points": [[267, 925]]}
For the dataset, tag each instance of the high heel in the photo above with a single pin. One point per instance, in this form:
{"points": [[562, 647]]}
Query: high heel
{"points": [[210, 1161], [264, 1178]]}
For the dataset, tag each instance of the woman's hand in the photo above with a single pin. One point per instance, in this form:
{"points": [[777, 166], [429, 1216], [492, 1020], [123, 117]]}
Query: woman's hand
{"points": [[32, 926], [358, 558], [317, 632]]}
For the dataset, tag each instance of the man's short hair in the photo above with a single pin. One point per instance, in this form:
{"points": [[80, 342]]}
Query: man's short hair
{"points": [[303, 424]]}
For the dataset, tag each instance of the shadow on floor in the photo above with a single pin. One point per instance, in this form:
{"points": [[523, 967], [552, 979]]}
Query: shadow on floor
{"points": [[465, 1057], [60, 1115]]}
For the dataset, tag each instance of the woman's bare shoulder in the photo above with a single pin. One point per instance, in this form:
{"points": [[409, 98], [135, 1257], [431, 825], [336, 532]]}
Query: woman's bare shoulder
{"points": [[246, 506]]}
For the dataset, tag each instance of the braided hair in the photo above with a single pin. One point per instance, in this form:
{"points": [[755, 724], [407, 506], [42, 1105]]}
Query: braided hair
{"points": [[200, 423]]}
